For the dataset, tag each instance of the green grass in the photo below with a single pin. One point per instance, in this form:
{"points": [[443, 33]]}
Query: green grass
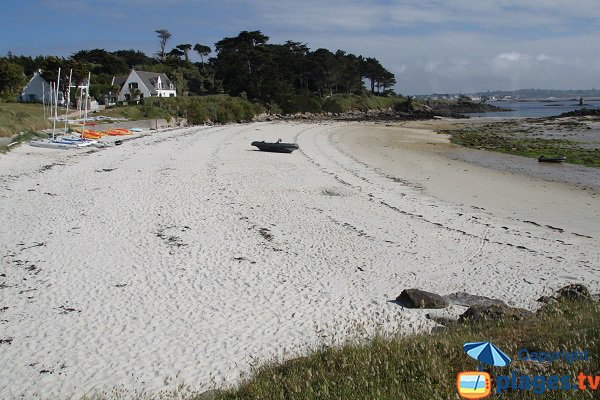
{"points": [[136, 112], [519, 144], [424, 367], [342, 103], [24, 136], [197, 109], [17, 117], [225, 109]]}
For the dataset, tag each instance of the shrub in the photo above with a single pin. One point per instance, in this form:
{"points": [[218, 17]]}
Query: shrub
{"points": [[302, 103]]}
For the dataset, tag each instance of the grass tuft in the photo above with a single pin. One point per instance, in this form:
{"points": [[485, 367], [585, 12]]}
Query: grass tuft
{"points": [[24, 136], [17, 117]]}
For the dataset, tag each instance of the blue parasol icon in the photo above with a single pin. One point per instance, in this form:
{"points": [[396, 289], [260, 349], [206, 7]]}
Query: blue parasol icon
{"points": [[487, 353]]}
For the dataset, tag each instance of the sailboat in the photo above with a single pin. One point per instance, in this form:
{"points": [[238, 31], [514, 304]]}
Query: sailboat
{"points": [[60, 142], [82, 140]]}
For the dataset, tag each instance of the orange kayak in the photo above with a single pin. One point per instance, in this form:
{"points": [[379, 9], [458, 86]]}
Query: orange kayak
{"points": [[118, 132], [88, 135]]}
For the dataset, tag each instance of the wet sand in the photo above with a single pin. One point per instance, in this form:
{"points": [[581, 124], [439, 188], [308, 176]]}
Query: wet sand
{"points": [[513, 187]]}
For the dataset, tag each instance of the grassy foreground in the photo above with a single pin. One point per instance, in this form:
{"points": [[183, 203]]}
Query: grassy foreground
{"points": [[17, 117], [425, 366]]}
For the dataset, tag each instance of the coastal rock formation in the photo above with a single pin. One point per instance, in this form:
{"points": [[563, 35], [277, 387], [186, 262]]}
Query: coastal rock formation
{"points": [[415, 298], [400, 112], [574, 291], [467, 300], [494, 312], [586, 112]]}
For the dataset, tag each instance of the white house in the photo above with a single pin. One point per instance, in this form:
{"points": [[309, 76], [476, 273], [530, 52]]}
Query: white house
{"points": [[140, 84], [37, 90]]}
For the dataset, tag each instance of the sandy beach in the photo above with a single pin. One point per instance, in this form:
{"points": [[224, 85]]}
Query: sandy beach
{"points": [[187, 256]]}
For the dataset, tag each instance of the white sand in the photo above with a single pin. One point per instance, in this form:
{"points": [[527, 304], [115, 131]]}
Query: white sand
{"points": [[197, 257]]}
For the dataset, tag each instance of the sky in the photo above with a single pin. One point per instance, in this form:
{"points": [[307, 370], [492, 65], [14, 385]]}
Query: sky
{"points": [[431, 46]]}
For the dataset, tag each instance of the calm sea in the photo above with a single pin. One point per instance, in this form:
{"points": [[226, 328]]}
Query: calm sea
{"points": [[536, 108]]}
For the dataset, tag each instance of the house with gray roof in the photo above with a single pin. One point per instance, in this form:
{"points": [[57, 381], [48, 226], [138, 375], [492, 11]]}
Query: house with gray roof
{"points": [[140, 84], [37, 90]]}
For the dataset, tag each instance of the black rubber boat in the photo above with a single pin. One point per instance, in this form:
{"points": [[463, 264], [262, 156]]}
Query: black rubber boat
{"points": [[277, 147], [552, 159]]}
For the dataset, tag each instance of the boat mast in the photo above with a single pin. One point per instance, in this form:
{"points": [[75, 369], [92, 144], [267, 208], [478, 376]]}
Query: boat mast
{"points": [[56, 103], [87, 96], [52, 99], [44, 99], [68, 100]]}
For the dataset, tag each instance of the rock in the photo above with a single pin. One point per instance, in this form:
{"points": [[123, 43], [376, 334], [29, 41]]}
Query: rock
{"points": [[494, 312], [467, 300], [209, 395], [574, 291], [415, 298], [546, 300]]}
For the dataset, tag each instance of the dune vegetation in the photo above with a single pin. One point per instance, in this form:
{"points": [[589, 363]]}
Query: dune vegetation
{"points": [[18, 117]]}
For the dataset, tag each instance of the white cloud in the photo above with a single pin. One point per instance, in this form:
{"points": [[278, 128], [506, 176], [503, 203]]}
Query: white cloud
{"points": [[431, 45]]}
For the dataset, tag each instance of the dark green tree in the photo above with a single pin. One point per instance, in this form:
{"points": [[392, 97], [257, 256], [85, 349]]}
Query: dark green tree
{"points": [[241, 62], [202, 51], [175, 54], [134, 58], [102, 62], [185, 48], [12, 78], [379, 77], [164, 36]]}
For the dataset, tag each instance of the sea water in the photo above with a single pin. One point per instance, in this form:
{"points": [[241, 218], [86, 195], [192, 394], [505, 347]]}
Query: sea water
{"points": [[536, 109]]}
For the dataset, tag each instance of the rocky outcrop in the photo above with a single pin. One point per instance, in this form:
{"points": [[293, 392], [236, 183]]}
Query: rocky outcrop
{"points": [[403, 111], [574, 291], [494, 312], [467, 300], [444, 108], [585, 112], [415, 298]]}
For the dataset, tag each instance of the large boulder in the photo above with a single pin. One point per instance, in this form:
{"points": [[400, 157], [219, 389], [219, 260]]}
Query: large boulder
{"points": [[467, 300], [481, 312], [415, 298], [574, 291]]}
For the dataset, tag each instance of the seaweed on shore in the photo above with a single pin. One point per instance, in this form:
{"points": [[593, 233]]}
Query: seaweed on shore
{"points": [[519, 139]]}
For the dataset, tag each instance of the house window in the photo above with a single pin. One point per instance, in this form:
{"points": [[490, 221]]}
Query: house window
{"points": [[127, 97], [133, 85], [172, 95]]}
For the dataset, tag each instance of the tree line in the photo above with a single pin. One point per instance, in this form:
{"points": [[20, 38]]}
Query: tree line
{"points": [[246, 65]]}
